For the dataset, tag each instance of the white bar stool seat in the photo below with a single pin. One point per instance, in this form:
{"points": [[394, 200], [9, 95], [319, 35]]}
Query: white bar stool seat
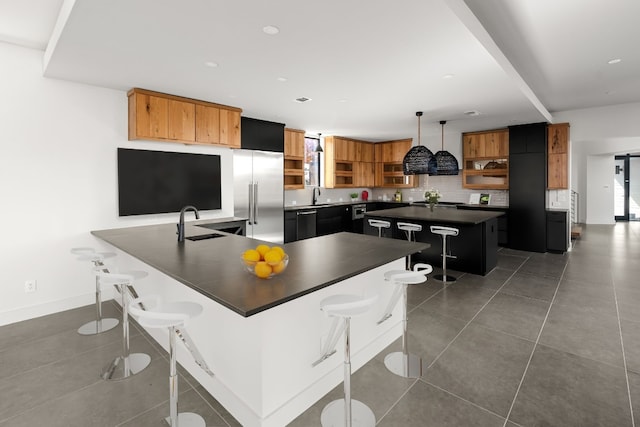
{"points": [[379, 224], [173, 316], [409, 229], [403, 363], [444, 232], [127, 364], [97, 258], [345, 412]]}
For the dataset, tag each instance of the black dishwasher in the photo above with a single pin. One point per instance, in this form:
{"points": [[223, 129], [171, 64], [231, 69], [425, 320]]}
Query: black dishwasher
{"points": [[306, 224]]}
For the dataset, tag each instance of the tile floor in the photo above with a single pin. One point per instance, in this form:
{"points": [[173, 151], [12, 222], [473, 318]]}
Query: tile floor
{"points": [[543, 340]]}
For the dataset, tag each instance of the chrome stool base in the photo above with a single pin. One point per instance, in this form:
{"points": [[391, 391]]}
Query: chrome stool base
{"points": [[444, 278], [333, 414], [98, 326], [188, 419], [404, 365], [116, 369]]}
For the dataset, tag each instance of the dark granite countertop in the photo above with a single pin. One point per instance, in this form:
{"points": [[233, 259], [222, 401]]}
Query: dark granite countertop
{"points": [[347, 203], [439, 214], [214, 268]]}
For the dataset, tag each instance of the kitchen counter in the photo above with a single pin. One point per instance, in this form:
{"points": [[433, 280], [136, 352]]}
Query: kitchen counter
{"points": [[439, 214], [214, 268], [261, 337]]}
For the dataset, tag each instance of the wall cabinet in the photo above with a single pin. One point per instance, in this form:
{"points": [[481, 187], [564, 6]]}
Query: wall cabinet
{"points": [[161, 117], [388, 164], [348, 163], [293, 159], [558, 156], [486, 159]]}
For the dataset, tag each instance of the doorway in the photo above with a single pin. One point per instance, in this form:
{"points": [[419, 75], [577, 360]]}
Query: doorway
{"points": [[627, 188]]}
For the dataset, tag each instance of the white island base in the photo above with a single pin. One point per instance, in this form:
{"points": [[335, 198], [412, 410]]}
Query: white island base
{"points": [[262, 364]]}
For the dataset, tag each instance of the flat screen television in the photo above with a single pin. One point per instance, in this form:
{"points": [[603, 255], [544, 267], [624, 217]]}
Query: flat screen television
{"points": [[151, 182]]}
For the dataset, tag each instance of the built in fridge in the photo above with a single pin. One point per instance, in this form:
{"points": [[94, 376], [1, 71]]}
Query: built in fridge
{"points": [[258, 193]]}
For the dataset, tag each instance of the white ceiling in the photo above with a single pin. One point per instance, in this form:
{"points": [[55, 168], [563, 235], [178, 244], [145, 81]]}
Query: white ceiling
{"points": [[367, 66]]}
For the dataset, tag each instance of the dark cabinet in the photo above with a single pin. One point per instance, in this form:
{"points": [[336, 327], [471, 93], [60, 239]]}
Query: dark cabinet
{"points": [[261, 135], [290, 226], [527, 187], [557, 231], [333, 219]]}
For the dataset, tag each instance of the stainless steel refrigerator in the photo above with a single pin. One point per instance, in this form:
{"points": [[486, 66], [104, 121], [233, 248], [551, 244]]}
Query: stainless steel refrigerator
{"points": [[258, 193]]}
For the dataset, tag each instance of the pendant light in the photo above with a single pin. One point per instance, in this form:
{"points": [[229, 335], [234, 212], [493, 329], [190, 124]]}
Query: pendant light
{"points": [[318, 148], [416, 161], [443, 162]]}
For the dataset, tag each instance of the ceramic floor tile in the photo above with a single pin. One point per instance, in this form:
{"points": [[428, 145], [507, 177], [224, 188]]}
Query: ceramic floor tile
{"points": [[428, 406], [634, 391], [588, 274], [631, 340], [460, 302], [509, 262], [531, 286], [561, 389], [417, 294], [492, 281], [514, 315], [482, 366], [217, 407], [578, 330]]}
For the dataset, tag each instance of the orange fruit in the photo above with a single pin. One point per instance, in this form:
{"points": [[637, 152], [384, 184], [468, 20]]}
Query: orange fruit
{"points": [[262, 249], [251, 255], [262, 269], [277, 269], [279, 249], [273, 257]]}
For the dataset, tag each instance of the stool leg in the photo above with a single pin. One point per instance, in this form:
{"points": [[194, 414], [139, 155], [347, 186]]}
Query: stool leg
{"points": [[99, 325], [127, 364], [443, 277], [347, 412], [403, 363], [175, 419]]}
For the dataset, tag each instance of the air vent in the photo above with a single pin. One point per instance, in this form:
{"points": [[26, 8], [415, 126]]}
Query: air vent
{"points": [[303, 99], [472, 113]]}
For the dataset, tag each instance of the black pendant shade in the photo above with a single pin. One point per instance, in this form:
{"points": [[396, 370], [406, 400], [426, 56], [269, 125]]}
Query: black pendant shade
{"points": [[443, 162], [416, 161], [318, 148]]}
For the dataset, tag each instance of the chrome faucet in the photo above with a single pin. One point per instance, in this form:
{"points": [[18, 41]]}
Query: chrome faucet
{"points": [[181, 222], [314, 198]]}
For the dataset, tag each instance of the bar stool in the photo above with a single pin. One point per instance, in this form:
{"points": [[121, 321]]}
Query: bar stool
{"points": [[346, 411], [379, 224], [403, 363], [444, 232], [126, 364], [173, 316], [409, 229], [97, 258]]}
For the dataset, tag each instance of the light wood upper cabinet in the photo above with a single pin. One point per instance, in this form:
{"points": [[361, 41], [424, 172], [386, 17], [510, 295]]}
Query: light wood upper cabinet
{"points": [[293, 143], [293, 159], [485, 163], [558, 156], [162, 117], [388, 165], [364, 174], [348, 163]]}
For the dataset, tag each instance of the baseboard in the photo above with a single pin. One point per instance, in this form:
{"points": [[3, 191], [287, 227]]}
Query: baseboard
{"points": [[49, 307]]}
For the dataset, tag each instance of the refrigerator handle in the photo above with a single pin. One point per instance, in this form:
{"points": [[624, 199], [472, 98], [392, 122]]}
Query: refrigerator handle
{"points": [[250, 204], [255, 203]]}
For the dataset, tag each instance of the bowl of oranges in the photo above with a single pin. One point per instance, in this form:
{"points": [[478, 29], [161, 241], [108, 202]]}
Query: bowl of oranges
{"points": [[265, 261]]}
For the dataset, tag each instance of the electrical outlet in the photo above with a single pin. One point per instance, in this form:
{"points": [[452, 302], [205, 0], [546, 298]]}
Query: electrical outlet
{"points": [[30, 286]]}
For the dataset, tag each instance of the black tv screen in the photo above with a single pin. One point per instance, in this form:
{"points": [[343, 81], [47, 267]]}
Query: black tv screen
{"points": [[152, 182]]}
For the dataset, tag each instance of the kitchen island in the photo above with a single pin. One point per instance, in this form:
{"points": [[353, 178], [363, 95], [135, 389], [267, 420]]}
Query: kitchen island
{"points": [[475, 248], [260, 337]]}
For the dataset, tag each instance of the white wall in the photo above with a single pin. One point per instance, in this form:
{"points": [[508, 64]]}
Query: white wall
{"points": [[604, 131], [58, 182]]}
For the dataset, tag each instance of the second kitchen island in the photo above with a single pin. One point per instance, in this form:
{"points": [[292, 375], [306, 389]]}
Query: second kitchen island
{"points": [[475, 248]]}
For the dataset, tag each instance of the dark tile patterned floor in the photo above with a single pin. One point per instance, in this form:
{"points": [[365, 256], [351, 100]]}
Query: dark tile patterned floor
{"points": [[543, 340]]}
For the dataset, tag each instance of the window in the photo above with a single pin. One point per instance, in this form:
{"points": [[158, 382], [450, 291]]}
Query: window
{"points": [[311, 162]]}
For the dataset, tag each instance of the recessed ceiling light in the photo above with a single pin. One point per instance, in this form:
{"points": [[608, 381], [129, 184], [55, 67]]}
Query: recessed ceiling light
{"points": [[271, 30], [282, 79], [303, 99], [343, 100], [472, 113], [448, 76], [614, 61], [211, 64]]}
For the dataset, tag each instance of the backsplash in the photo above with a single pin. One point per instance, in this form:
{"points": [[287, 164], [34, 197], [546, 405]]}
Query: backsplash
{"points": [[449, 186]]}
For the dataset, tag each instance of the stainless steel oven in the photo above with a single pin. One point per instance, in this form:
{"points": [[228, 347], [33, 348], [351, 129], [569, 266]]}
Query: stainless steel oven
{"points": [[358, 211]]}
